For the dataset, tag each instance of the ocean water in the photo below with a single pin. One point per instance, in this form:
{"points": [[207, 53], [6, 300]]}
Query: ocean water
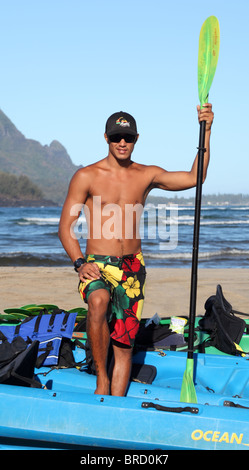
{"points": [[28, 236]]}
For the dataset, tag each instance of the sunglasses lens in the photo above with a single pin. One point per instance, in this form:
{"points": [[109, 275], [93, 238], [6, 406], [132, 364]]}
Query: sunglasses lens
{"points": [[116, 138], [130, 138]]}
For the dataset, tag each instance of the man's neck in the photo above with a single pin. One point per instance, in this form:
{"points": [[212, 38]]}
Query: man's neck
{"points": [[117, 163]]}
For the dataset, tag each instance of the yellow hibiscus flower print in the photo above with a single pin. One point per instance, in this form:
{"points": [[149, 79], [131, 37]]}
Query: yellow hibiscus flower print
{"points": [[132, 287], [90, 258], [139, 309], [110, 273], [141, 258]]}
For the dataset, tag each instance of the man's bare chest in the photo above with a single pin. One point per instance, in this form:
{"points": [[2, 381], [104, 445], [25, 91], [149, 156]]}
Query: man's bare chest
{"points": [[118, 190]]}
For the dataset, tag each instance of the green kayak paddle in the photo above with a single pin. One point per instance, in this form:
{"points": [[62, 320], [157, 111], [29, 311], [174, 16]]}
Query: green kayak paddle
{"points": [[209, 42], [209, 45]]}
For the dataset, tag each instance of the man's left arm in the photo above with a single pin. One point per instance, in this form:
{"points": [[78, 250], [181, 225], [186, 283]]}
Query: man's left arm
{"points": [[180, 180]]}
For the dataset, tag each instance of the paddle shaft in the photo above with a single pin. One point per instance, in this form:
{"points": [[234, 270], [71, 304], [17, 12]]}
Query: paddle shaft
{"points": [[194, 271]]}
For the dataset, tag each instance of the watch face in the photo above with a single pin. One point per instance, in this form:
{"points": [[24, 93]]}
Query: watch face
{"points": [[78, 262]]}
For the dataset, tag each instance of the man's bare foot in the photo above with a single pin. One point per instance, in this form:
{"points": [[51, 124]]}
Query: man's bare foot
{"points": [[103, 388]]}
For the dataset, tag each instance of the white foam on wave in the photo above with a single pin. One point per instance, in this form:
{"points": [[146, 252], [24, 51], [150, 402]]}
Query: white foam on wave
{"points": [[228, 253], [39, 221]]}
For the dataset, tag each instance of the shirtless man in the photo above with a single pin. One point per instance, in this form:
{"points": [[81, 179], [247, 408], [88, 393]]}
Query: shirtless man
{"points": [[113, 272]]}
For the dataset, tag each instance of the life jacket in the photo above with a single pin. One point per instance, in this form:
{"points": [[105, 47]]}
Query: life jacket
{"points": [[53, 331]]}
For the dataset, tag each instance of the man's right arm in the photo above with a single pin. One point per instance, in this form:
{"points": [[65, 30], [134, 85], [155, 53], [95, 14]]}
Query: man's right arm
{"points": [[76, 197]]}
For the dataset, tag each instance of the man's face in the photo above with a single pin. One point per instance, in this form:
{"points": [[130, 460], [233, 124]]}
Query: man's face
{"points": [[121, 145]]}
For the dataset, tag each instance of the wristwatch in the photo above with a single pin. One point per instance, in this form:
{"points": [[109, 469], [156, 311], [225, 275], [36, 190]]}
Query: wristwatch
{"points": [[78, 263]]}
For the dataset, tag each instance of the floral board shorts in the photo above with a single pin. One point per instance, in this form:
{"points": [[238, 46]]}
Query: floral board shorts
{"points": [[124, 279]]}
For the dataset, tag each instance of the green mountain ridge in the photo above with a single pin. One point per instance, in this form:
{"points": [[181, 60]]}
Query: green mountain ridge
{"points": [[49, 166]]}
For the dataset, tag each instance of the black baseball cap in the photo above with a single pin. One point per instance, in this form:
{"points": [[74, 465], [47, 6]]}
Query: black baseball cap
{"points": [[121, 123]]}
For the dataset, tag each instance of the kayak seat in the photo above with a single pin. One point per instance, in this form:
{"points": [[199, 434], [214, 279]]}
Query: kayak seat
{"points": [[143, 373]]}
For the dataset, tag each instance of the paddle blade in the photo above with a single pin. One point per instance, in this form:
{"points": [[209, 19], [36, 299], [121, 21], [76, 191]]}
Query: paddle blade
{"points": [[188, 393], [209, 45]]}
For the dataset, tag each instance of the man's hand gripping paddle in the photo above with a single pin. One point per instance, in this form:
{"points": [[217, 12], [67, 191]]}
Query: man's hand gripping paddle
{"points": [[209, 43]]}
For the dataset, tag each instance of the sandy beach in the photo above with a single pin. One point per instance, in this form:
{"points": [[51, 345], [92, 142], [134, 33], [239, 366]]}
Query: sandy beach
{"points": [[167, 290]]}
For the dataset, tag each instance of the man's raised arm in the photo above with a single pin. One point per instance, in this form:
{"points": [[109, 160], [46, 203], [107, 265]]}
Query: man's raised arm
{"points": [[180, 180]]}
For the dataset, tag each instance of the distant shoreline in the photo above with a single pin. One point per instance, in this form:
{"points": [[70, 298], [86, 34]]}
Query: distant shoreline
{"points": [[211, 200], [207, 200]]}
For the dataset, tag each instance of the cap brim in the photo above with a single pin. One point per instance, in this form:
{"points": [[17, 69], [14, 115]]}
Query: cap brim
{"points": [[124, 130]]}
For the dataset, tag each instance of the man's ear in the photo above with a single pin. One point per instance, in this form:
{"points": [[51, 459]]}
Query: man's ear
{"points": [[106, 138], [136, 138]]}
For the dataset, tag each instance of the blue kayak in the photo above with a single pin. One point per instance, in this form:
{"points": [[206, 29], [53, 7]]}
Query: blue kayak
{"points": [[66, 414]]}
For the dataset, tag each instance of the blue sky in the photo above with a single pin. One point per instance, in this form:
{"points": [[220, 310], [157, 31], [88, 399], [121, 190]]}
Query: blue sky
{"points": [[66, 65]]}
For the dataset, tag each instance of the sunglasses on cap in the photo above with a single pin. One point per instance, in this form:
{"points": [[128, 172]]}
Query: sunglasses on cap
{"points": [[116, 138]]}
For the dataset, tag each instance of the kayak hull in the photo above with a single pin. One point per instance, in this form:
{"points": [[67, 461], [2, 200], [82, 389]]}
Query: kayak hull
{"points": [[93, 423], [67, 414]]}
